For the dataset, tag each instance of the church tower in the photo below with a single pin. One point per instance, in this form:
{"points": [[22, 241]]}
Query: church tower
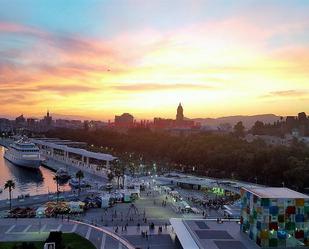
{"points": [[179, 116]]}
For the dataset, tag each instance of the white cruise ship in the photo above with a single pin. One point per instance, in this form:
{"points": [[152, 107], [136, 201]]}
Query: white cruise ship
{"points": [[23, 153]]}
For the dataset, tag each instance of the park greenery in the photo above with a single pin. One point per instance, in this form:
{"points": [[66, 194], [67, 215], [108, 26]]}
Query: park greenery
{"points": [[206, 154], [63, 241]]}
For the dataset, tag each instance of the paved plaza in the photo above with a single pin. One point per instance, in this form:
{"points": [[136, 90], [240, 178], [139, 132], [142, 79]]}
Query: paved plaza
{"points": [[147, 206], [144, 224], [198, 234]]}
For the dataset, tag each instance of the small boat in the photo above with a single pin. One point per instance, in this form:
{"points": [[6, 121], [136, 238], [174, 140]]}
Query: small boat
{"points": [[74, 182], [63, 174]]}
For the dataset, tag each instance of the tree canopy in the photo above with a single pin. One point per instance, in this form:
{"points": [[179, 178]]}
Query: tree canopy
{"points": [[210, 155]]}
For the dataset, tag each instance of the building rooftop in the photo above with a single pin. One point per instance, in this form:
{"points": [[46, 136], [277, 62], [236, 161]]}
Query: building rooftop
{"points": [[271, 192], [78, 151], [202, 234], [230, 185]]}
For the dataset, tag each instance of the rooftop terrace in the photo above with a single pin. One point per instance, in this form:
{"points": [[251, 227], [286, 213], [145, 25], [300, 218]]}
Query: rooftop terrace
{"points": [[271, 192], [202, 234]]}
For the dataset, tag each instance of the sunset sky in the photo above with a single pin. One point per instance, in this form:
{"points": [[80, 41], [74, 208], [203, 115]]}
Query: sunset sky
{"points": [[101, 58]]}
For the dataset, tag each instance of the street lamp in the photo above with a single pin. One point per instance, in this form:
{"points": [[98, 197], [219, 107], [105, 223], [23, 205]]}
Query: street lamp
{"points": [[40, 213]]}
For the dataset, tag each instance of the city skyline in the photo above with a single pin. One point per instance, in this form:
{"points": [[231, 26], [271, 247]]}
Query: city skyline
{"points": [[97, 58]]}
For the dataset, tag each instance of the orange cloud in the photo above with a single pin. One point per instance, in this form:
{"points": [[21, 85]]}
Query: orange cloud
{"points": [[287, 94], [232, 58], [161, 87]]}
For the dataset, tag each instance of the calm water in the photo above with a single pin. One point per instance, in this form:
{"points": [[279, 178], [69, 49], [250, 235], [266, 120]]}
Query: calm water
{"points": [[34, 182]]}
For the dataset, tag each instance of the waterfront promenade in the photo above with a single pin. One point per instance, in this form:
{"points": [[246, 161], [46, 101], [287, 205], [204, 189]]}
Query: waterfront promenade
{"points": [[89, 174], [40, 199], [72, 166]]}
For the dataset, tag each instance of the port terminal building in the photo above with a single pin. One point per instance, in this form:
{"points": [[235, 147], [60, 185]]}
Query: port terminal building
{"points": [[62, 151]]}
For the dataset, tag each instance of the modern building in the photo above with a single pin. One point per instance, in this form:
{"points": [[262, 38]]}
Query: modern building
{"points": [[275, 217], [47, 121], [5, 125], [209, 234], [20, 121], [302, 117], [68, 124], [124, 120], [60, 152], [32, 124], [96, 125]]}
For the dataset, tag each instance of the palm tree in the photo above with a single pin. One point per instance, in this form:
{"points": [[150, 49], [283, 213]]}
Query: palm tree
{"points": [[118, 175], [10, 184], [120, 168], [56, 178], [79, 175], [132, 168]]}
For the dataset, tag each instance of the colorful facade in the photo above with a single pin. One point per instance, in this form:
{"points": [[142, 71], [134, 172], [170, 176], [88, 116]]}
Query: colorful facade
{"points": [[275, 217]]}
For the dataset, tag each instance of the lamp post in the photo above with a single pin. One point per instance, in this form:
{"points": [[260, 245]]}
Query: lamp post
{"points": [[40, 213]]}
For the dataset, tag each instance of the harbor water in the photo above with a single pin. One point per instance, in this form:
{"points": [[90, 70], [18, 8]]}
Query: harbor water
{"points": [[27, 181]]}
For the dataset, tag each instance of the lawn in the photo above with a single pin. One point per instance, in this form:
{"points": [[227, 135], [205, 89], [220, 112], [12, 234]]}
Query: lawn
{"points": [[76, 241], [70, 240], [10, 245]]}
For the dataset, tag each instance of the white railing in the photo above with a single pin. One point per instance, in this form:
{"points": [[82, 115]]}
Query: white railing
{"points": [[123, 241], [91, 168]]}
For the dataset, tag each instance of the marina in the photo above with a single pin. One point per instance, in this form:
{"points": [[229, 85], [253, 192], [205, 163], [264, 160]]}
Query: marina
{"points": [[24, 154], [60, 154], [32, 182], [58, 157]]}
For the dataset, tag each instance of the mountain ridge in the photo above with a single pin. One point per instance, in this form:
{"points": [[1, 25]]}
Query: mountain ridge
{"points": [[248, 120]]}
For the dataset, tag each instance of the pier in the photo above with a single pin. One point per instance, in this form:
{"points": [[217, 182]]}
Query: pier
{"points": [[58, 155]]}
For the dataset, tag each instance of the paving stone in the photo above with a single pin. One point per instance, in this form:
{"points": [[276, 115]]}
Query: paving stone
{"points": [[18, 228], [96, 237], [111, 243], [82, 230]]}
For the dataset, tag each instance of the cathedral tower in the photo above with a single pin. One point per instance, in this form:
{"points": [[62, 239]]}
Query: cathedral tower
{"points": [[179, 116]]}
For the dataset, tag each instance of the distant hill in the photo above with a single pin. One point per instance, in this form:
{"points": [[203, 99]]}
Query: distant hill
{"points": [[248, 121]]}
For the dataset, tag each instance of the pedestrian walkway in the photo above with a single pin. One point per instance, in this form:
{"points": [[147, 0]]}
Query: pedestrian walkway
{"points": [[41, 199], [38, 229]]}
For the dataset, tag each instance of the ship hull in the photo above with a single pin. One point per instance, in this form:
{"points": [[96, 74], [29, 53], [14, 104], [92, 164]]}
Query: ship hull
{"points": [[26, 163]]}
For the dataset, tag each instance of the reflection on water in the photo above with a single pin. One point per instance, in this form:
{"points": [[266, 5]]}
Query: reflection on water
{"points": [[27, 181]]}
